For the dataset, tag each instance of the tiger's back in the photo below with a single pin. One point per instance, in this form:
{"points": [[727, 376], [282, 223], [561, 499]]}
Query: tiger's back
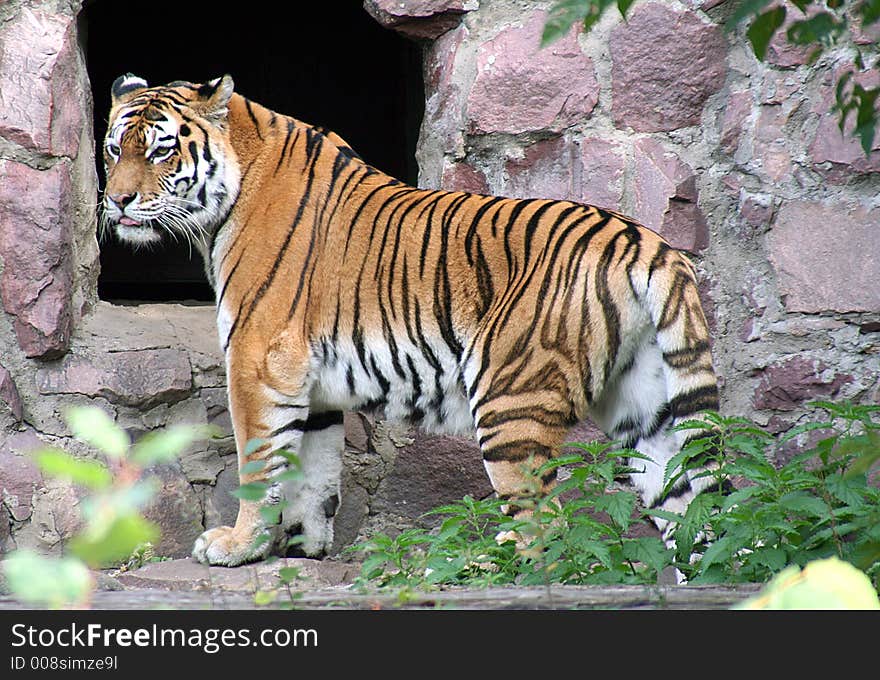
{"points": [[339, 287]]}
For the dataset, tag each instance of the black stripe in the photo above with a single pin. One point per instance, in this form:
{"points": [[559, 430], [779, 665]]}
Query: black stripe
{"points": [[314, 422], [699, 399], [250, 110], [516, 451]]}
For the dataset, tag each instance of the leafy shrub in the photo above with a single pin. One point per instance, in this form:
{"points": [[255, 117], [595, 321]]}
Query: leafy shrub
{"points": [[114, 528], [818, 504]]}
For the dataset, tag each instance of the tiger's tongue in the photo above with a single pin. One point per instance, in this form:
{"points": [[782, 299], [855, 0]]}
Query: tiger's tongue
{"points": [[127, 221]]}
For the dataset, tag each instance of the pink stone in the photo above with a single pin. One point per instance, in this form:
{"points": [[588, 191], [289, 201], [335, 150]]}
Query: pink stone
{"points": [[419, 18], [602, 167], [432, 471], [826, 257], [19, 476], [842, 152], [787, 384], [756, 212], [665, 64], [781, 52], [589, 172], [464, 177], [665, 193], [521, 86], [444, 106], [138, 377], [544, 171], [39, 98], [9, 393], [770, 142], [35, 234], [736, 113]]}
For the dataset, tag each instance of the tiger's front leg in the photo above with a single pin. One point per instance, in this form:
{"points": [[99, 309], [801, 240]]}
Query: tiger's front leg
{"points": [[270, 412]]}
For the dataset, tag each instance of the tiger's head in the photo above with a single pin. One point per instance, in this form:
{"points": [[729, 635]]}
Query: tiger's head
{"points": [[170, 165]]}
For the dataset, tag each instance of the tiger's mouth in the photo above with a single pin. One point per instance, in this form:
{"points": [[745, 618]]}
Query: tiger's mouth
{"points": [[135, 232]]}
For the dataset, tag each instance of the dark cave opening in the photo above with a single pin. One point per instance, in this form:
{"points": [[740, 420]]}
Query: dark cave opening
{"points": [[336, 68]]}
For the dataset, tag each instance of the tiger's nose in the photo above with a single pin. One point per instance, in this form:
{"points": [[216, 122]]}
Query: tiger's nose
{"points": [[122, 200]]}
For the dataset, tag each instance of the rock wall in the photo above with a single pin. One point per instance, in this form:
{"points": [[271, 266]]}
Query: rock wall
{"points": [[736, 161]]}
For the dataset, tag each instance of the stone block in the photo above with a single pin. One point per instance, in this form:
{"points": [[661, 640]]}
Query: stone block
{"points": [[602, 170], [464, 177], [419, 18], [35, 235], [657, 83], [521, 87], [665, 197], [432, 471], [132, 378], [39, 96], [546, 170], [9, 393], [786, 385], [826, 257]]}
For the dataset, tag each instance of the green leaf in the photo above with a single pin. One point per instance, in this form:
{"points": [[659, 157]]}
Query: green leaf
{"points": [[94, 427], [564, 13], [673, 517], [288, 575], [847, 490], [623, 6], [822, 28], [264, 597], [252, 491], [88, 473], [719, 551], [869, 10], [772, 558], [739, 496], [619, 506], [648, 550], [252, 467], [115, 542], [866, 116], [804, 503], [743, 10], [763, 28], [292, 475], [51, 582], [271, 514], [166, 445], [253, 445]]}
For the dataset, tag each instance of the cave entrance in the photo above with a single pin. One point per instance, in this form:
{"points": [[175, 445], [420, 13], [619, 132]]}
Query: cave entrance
{"points": [[338, 69]]}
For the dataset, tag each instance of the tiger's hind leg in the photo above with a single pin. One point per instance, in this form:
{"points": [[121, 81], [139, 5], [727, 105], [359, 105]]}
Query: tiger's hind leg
{"points": [[640, 407], [518, 434]]}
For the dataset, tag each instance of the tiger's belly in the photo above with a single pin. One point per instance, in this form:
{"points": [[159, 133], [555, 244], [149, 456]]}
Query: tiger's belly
{"points": [[404, 384]]}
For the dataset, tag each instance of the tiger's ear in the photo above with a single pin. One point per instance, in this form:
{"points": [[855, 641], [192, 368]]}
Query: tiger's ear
{"points": [[213, 98], [125, 85]]}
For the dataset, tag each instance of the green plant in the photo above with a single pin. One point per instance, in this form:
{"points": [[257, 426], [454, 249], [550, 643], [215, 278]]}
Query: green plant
{"points": [[818, 504], [821, 25], [113, 527], [582, 539]]}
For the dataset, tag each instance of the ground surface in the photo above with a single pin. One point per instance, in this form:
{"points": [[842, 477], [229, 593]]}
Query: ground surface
{"points": [[185, 584]]}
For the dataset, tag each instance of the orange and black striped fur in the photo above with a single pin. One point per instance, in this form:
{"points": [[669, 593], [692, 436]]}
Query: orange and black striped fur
{"points": [[339, 287]]}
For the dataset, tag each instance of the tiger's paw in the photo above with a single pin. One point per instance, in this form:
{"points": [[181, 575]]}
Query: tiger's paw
{"points": [[227, 547], [524, 546]]}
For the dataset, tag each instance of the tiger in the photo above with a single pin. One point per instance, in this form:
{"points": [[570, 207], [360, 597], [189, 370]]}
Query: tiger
{"points": [[339, 287]]}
